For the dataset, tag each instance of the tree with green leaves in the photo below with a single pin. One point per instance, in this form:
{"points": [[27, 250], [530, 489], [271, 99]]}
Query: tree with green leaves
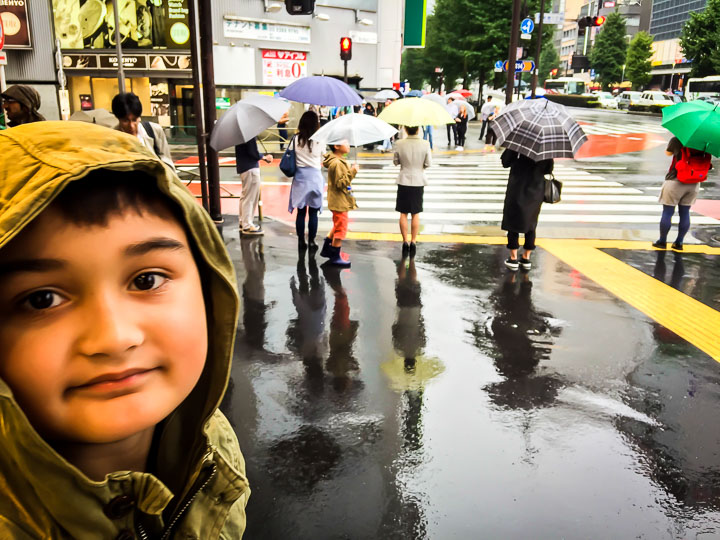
{"points": [[637, 62], [699, 40], [549, 60], [609, 52]]}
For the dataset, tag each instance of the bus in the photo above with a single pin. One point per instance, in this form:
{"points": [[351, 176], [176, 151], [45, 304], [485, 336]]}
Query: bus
{"points": [[566, 85], [706, 88]]}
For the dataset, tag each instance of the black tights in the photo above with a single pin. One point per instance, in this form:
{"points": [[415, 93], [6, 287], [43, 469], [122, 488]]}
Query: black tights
{"points": [[312, 223], [514, 240]]}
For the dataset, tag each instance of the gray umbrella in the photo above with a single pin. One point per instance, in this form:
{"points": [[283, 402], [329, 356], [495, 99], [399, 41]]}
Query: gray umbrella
{"points": [[247, 119], [538, 129]]}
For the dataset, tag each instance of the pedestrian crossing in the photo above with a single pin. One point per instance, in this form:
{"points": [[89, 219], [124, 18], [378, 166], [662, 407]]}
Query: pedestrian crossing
{"points": [[626, 128], [470, 190]]}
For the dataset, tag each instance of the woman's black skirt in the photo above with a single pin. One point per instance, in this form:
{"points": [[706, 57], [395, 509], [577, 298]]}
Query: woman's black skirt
{"points": [[409, 199]]}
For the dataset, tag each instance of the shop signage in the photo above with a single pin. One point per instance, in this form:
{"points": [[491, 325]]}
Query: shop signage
{"points": [[152, 62], [371, 38], [415, 23], [222, 103], [280, 68], [15, 24], [89, 24], [238, 27], [3, 58]]}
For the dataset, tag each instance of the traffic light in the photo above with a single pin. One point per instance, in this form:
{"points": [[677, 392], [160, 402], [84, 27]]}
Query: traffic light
{"points": [[300, 7], [599, 20], [345, 48], [554, 72], [584, 22]]}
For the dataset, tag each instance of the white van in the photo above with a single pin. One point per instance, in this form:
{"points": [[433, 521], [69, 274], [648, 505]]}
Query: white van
{"points": [[655, 98], [628, 98]]}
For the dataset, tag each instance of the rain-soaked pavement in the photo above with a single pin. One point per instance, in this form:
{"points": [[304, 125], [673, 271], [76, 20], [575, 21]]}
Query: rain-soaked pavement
{"points": [[446, 397]]}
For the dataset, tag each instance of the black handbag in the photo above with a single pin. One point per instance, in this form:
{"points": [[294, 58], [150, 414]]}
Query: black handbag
{"points": [[288, 163], [553, 189]]}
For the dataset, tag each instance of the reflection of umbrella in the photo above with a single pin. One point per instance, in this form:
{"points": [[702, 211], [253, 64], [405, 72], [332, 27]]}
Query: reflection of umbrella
{"points": [[247, 119], [454, 109], [696, 123], [538, 129], [414, 93], [411, 374], [320, 90], [96, 116], [415, 112], [357, 129], [382, 95]]}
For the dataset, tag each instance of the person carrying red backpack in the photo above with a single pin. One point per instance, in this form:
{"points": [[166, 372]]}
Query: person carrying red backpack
{"points": [[689, 167]]}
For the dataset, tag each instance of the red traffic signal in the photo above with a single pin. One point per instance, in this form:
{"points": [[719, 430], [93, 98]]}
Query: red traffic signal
{"points": [[345, 48], [554, 72], [599, 20]]}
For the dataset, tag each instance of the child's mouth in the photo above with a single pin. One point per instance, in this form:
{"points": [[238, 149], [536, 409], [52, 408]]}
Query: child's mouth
{"points": [[114, 384]]}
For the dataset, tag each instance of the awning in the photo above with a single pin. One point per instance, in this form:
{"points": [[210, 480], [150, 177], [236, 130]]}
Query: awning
{"points": [[676, 71]]}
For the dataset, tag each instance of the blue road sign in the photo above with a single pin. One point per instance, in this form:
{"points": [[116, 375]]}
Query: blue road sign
{"points": [[499, 64], [527, 26], [521, 66]]}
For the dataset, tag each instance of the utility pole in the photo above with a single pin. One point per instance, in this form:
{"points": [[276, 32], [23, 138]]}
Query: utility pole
{"points": [[200, 136], [512, 52], [538, 50], [118, 49], [204, 17]]}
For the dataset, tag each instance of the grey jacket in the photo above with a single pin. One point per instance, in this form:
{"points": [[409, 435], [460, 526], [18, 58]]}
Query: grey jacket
{"points": [[414, 156]]}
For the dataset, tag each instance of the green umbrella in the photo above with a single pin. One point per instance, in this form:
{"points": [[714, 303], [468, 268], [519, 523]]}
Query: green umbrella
{"points": [[696, 123]]}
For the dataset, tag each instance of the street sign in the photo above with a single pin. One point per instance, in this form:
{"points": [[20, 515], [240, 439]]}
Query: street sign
{"points": [[527, 26], [525, 36], [551, 18], [521, 66], [499, 64]]}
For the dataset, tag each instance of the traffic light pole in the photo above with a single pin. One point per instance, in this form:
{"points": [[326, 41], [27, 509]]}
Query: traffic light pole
{"points": [[345, 77], [512, 52], [538, 50]]}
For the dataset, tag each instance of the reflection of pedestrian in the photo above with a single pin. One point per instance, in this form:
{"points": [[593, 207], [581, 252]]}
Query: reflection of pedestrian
{"points": [[253, 292], [343, 333], [523, 199], [21, 104], [247, 159], [678, 271], [414, 156], [306, 333], [408, 332], [306, 192], [676, 193]]}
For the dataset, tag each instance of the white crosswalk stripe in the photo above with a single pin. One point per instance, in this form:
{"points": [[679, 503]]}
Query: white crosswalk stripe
{"points": [[471, 190], [604, 128]]}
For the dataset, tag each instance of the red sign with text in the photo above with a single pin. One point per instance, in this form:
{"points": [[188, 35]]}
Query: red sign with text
{"points": [[280, 68], [2, 35]]}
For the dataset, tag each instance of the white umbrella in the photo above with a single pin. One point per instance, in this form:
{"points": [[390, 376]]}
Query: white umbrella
{"points": [[357, 129], [101, 117], [247, 119], [440, 100], [455, 95], [382, 95], [455, 106]]}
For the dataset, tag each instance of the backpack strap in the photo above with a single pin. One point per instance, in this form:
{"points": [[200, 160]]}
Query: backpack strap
{"points": [[147, 126]]}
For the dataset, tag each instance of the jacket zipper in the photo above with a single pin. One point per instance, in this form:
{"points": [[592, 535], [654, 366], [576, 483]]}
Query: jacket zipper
{"points": [[187, 504], [141, 531]]}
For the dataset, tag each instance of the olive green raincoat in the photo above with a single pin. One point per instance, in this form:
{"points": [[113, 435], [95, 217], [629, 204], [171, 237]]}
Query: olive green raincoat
{"points": [[340, 177], [203, 491]]}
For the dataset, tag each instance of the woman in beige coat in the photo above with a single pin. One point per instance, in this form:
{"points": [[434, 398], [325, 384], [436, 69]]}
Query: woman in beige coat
{"points": [[413, 154]]}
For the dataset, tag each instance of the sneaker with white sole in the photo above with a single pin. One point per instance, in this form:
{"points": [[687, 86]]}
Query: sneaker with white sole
{"points": [[512, 264], [525, 263], [251, 231]]}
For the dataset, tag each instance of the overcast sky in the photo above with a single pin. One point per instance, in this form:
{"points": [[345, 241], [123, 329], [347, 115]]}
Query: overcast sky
{"points": [[430, 6]]}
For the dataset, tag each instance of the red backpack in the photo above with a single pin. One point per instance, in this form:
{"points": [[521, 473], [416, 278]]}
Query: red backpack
{"points": [[693, 166]]}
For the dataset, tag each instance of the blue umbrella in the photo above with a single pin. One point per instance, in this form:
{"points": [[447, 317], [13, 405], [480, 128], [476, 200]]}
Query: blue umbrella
{"points": [[414, 93], [321, 90]]}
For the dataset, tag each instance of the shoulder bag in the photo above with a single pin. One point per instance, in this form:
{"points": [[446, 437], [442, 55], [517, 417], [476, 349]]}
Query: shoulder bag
{"points": [[288, 163], [553, 189]]}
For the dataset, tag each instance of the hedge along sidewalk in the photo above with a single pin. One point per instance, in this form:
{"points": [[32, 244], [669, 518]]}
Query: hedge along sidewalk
{"points": [[587, 102]]}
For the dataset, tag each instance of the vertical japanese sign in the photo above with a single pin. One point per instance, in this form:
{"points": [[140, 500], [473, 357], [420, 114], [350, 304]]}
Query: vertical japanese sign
{"points": [[15, 23], [280, 68], [415, 19]]}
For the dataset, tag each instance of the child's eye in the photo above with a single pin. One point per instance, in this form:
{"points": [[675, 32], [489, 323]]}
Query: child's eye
{"points": [[149, 281], [40, 300]]}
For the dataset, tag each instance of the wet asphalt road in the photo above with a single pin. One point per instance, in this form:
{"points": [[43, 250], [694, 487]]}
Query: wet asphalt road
{"points": [[446, 397]]}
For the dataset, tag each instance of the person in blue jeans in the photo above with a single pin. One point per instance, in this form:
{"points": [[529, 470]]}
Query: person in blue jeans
{"points": [[675, 193], [428, 135]]}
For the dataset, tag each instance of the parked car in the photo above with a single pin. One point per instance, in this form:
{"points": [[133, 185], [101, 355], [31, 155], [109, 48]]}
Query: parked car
{"points": [[655, 97], [628, 98], [606, 99]]}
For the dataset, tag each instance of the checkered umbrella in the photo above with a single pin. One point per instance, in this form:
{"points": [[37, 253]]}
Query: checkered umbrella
{"points": [[538, 129]]}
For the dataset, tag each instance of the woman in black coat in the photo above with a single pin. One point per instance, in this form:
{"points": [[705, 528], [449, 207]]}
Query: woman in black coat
{"points": [[523, 199]]}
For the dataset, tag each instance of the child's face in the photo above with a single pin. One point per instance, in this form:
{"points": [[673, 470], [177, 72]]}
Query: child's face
{"points": [[104, 331]]}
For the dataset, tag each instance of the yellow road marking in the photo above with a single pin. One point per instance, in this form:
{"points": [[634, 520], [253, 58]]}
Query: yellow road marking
{"points": [[688, 318]]}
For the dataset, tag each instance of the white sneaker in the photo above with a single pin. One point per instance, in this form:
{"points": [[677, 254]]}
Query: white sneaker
{"points": [[458, 148]]}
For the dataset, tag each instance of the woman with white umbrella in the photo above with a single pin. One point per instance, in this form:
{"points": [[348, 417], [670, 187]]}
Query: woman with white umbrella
{"points": [[306, 192]]}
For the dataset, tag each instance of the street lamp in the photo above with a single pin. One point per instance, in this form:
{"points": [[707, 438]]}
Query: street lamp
{"points": [[272, 7], [363, 21], [321, 16]]}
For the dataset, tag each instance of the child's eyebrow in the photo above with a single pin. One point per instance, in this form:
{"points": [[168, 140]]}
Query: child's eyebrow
{"points": [[31, 265], [146, 246]]}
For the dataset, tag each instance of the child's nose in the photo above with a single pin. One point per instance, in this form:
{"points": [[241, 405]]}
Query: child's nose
{"points": [[111, 327]]}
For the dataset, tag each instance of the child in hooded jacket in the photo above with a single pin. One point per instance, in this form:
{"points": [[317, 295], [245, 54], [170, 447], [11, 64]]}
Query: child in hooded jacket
{"points": [[119, 310]]}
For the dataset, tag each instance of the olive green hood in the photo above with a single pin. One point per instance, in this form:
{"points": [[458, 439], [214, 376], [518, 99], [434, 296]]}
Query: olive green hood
{"points": [[37, 161]]}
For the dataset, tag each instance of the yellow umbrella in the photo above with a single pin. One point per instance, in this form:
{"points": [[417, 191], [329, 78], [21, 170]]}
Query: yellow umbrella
{"points": [[415, 112], [411, 374]]}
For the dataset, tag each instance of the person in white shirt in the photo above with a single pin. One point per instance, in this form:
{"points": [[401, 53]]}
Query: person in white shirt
{"points": [[128, 109], [487, 114], [306, 192], [414, 156]]}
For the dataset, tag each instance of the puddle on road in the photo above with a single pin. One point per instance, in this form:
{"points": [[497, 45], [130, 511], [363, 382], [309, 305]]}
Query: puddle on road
{"points": [[450, 396]]}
